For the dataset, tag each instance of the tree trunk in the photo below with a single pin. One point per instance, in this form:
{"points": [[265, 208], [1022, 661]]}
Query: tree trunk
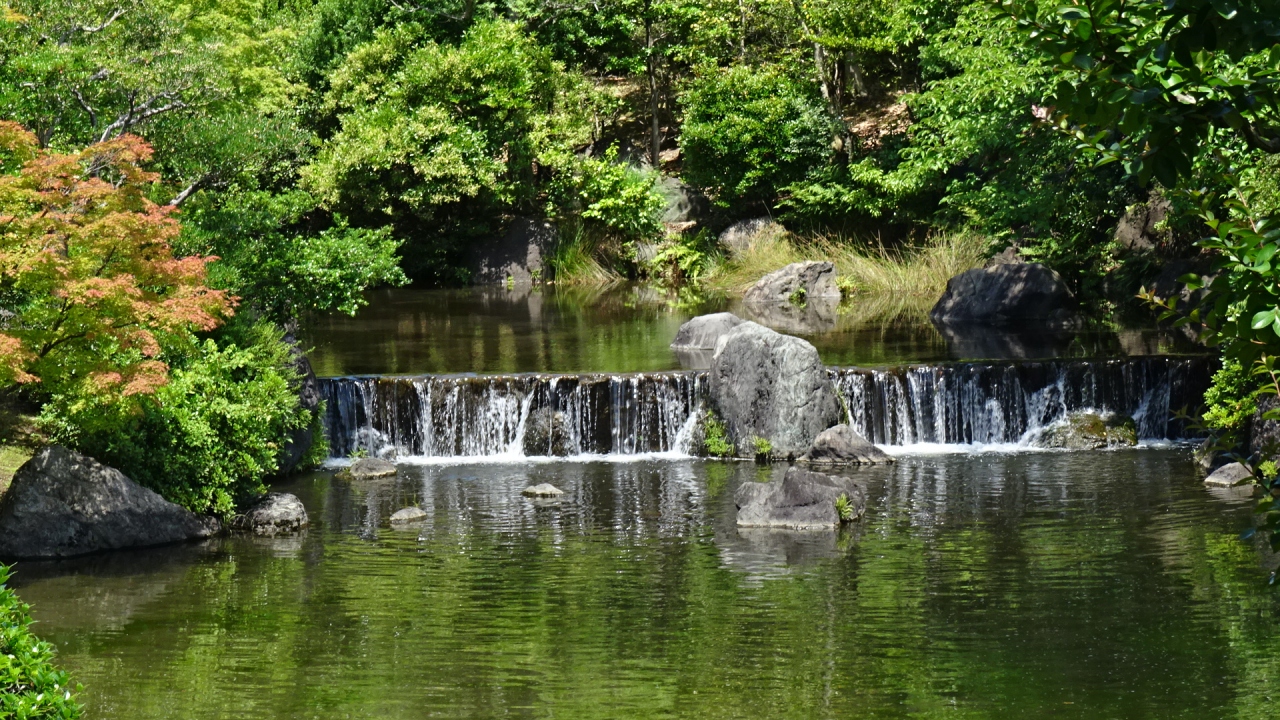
{"points": [[651, 69]]}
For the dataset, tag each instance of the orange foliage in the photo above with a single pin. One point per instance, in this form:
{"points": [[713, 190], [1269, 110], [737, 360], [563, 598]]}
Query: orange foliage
{"points": [[87, 267]]}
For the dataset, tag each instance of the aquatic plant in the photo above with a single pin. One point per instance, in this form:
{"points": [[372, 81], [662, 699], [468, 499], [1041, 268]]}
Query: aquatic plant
{"points": [[764, 448], [844, 508]]}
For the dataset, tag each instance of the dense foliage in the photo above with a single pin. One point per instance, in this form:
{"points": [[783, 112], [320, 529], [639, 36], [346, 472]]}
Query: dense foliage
{"points": [[31, 686]]}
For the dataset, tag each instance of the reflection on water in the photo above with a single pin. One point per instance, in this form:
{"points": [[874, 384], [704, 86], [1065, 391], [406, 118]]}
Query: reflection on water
{"points": [[1105, 584], [627, 328]]}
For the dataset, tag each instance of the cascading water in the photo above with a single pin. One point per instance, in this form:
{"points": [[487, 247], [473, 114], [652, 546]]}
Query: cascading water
{"points": [[998, 403], [532, 415]]}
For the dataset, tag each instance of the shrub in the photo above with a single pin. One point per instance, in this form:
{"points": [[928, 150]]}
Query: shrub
{"points": [[211, 436], [750, 131], [31, 687]]}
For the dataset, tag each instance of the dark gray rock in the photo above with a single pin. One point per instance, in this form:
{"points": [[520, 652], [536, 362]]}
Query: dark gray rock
{"points": [[1228, 475], [369, 468], [519, 256], [300, 440], [1004, 294], [802, 500], [63, 504], [1008, 256], [546, 432], [408, 515], [795, 284], [841, 445], [740, 236], [1140, 228], [704, 331], [764, 384], [275, 514], [1264, 435], [1090, 431], [684, 204]]}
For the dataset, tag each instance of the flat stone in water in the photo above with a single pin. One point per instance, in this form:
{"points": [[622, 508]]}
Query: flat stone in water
{"points": [[1228, 475], [274, 514], [543, 490], [366, 468], [408, 515]]}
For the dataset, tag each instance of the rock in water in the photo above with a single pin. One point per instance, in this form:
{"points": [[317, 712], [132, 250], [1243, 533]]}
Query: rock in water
{"points": [[1228, 475], [63, 504], [840, 445], [408, 515], [368, 468], [772, 386], [802, 500], [546, 432], [1004, 293], [543, 490], [795, 284], [275, 514], [1090, 431]]}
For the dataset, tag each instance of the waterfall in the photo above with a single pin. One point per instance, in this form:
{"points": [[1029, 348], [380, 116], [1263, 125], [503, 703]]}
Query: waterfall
{"points": [[632, 414], [511, 415], [999, 403]]}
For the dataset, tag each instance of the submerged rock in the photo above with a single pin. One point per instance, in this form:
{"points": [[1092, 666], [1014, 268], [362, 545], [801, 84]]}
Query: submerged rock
{"points": [[1003, 294], [771, 386], [408, 515], [543, 490], [1228, 475], [546, 432], [368, 468], [63, 504], [841, 445], [802, 500], [1090, 431], [275, 514], [795, 284]]}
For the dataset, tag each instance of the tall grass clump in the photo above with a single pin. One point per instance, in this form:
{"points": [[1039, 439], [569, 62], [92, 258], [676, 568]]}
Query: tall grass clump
{"points": [[576, 259], [907, 274]]}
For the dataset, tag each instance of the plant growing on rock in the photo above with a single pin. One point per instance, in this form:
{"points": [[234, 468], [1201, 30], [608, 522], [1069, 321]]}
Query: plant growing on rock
{"points": [[763, 448], [715, 437], [844, 508]]}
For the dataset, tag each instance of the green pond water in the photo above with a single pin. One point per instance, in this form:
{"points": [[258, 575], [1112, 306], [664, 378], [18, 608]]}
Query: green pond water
{"points": [[628, 328], [1046, 585]]}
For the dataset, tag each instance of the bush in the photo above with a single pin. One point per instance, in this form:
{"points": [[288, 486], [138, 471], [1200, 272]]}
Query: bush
{"points": [[211, 436], [750, 131], [31, 687]]}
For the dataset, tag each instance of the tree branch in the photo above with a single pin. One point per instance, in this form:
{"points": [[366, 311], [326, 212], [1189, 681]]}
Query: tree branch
{"points": [[1256, 141], [190, 190], [140, 113]]}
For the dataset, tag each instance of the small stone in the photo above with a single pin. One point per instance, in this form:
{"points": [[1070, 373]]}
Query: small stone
{"points": [[841, 445], [543, 490], [275, 514], [1228, 475], [408, 515], [367, 468]]}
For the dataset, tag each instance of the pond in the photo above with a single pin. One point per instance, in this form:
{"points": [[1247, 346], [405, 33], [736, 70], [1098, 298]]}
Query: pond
{"points": [[1083, 585], [628, 328]]}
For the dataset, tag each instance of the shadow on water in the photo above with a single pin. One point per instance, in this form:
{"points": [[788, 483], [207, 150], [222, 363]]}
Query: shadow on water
{"points": [[627, 328], [1105, 584]]}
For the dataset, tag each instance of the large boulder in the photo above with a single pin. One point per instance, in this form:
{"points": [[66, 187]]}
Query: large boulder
{"points": [[275, 514], [518, 258], [1090, 431], [1003, 294], [1229, 475], [62, 504], [795, 284], [772, 386], [802, 500], [741, 236], [841, 445], [704, 331]]}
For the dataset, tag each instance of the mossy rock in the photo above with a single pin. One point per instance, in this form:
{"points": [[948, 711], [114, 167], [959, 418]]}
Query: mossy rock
{"points": [[1091, 431]]}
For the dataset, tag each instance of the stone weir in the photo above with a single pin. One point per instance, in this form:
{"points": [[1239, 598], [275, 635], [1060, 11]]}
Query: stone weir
{"points": [[600, 414]]}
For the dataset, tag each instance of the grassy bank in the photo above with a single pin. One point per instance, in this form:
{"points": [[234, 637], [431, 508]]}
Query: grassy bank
{"points": [[894, 276]]}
